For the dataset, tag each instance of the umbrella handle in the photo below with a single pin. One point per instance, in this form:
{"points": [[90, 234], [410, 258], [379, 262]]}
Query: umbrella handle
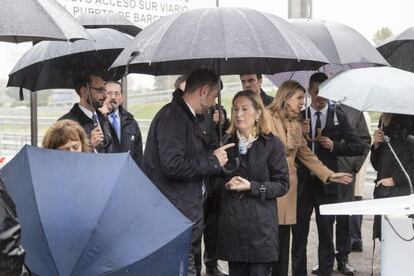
{"points": [[236, 166], [234, 169], [318, 136]]}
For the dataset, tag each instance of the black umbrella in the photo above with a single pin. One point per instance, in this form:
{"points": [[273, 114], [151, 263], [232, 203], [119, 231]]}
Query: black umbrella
{"points": [[226, 40], [344, 47], [57, 64], [109, 20], [398, 50], [36, 20]]}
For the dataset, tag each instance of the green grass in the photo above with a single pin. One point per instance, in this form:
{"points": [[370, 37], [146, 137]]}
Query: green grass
{"points": [[145, 111], [149, 110]]}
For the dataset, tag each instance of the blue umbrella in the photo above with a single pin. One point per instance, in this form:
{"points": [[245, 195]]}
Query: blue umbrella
{"points": [[94, 214]]}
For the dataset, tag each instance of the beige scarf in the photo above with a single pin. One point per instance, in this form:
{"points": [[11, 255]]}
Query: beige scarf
{"points": [[294, 137]]}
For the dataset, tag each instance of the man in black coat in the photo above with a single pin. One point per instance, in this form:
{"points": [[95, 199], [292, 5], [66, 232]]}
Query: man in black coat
{"points": [[254, 82], [122, 122], [208, 122], [92, 94], [11, 251], [176, 157], [332, 136]]}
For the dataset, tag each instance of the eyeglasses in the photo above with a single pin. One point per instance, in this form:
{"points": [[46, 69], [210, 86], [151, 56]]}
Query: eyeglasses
{"points": [[100, 90], [112, 93]]}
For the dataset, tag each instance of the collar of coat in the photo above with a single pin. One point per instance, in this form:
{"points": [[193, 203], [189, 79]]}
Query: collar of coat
{"points": [[178, 99]]}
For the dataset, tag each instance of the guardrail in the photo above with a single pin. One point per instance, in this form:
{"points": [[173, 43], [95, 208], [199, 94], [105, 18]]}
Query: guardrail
{"points": [[12, 141]]}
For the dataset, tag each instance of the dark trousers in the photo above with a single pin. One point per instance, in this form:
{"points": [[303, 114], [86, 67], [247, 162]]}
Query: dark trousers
{"points": [[281, 267], [211, 214], [343, 237], [356, 223], [194, 259], [249, 269], [313, 197], [197, 257]]}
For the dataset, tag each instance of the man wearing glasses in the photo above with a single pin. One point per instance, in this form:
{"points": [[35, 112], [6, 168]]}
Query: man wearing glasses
{"points": [[92, 94], [122, 122]]}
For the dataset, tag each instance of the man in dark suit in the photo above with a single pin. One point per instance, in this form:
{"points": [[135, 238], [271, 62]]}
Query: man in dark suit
{"points": [[92, 94], [350, 164], [122, 122], [331, 136], [254, 82]]}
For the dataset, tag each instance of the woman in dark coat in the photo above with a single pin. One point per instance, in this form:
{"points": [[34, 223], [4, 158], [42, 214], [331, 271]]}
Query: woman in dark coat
{"points": [[247, 225], [391, 181]]}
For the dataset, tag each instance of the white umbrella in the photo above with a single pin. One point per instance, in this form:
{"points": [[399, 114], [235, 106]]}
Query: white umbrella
{"points": [[380, 89]]}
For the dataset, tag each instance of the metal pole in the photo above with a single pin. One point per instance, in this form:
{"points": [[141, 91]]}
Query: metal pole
{"points": [[33, 118], [124, 84], [387, 141]]}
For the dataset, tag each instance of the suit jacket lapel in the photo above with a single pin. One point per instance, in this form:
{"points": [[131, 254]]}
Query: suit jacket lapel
{"points": [[329, 121]]}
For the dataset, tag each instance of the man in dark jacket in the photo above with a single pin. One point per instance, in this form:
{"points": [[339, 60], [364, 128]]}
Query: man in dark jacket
{"points": [[254, 82], [208, 122], [92, 94], [332, 136], [176, 157], [353, 165], [122, 122]]}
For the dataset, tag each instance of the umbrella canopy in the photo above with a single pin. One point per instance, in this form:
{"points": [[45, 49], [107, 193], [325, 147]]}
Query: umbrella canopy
{"points": [[398, 50], [226, 40], [94, 214], [380, 89], [344, 47], [56, 64], [109, 20], [36, 20], [303, 76]]}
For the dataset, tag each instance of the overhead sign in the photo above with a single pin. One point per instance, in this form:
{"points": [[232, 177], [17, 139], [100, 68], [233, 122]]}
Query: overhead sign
{"points": [[139, 12]]}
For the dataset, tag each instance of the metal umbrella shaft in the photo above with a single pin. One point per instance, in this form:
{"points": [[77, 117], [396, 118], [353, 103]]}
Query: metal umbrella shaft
{"points": [[387, 142], [33, 118], [124, 81]]}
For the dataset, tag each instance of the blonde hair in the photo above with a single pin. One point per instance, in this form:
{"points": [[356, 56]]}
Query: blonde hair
{"points": [[64, 131], [262, 125], [279, 105]]}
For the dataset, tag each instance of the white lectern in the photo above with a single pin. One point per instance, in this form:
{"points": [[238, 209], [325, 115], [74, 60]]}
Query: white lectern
{"points": [[396, 254]]}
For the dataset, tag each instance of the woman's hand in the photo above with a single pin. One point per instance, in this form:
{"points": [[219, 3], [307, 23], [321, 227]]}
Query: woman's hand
{"points": [[386, 182], [378, 137], [340, 177], [238, 183], [306, 126]]}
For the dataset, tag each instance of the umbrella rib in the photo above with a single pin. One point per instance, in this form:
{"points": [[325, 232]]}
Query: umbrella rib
{"points": [[249, 25], [159, 30], [100, 215], [51, 18], [285, 37]]}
